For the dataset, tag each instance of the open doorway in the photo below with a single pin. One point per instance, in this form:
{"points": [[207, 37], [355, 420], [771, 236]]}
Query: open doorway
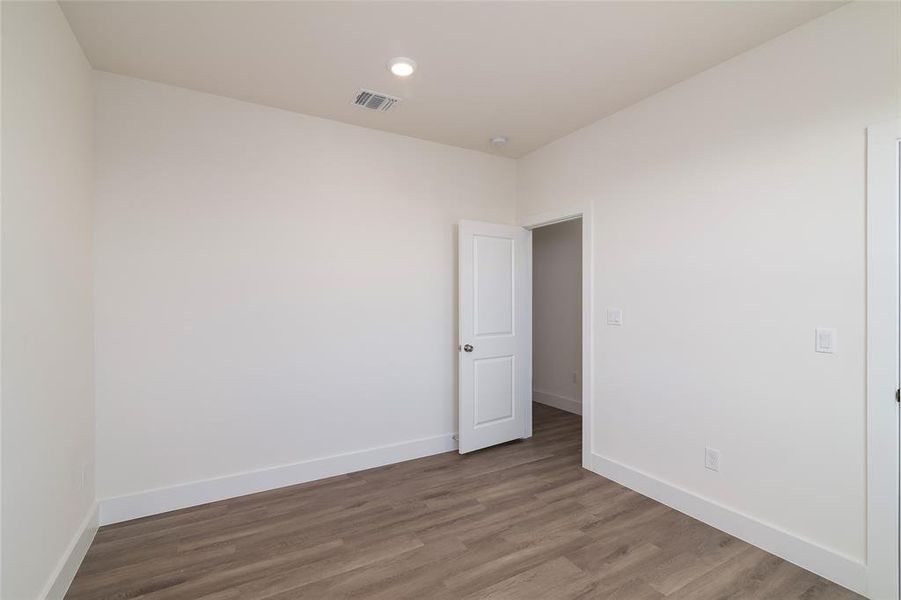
{"points": [[557, 328]]}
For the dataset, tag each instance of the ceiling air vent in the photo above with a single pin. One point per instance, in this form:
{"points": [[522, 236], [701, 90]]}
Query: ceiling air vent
{"points": [[375, 100]]}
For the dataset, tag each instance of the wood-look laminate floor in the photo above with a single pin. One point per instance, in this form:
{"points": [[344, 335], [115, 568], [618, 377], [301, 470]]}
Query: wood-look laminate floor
{"points": [[518, 521]]}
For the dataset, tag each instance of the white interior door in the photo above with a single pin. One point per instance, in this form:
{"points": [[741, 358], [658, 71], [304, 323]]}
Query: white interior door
{"points": [[495, 334]]}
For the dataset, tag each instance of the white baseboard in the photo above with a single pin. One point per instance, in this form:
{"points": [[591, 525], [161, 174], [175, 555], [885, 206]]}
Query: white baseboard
{"points": [[61, 578], [567, 404], [827, 563], [152, 502]]}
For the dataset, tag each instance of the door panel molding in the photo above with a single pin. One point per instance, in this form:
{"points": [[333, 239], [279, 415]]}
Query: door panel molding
{"points": [[504, 407]]}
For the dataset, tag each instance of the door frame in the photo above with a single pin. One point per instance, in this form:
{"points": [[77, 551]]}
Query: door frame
{"points": [[883, 339], [535, 221]]}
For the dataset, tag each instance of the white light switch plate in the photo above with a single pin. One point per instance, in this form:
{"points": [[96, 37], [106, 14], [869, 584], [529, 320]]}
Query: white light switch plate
{"points": [[712, 459], [825, 340], [615, 317]]}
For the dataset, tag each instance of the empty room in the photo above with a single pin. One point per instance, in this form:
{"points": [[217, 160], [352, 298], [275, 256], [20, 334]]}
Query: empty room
{"points": [[445, 300]]}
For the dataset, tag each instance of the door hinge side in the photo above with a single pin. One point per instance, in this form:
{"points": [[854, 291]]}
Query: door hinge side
{"points": [[898, 395]]}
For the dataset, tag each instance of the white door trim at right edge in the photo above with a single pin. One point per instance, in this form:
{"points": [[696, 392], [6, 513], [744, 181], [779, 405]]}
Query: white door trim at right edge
{"points": [[883, 338]]}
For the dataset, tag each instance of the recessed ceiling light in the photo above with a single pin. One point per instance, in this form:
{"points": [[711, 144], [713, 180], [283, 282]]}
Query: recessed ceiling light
{"points": [[402, 66], [499, 141]]}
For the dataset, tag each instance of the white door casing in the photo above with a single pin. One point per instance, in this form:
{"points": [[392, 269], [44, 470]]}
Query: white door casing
{"points": [[495, 334], [883, 440]]}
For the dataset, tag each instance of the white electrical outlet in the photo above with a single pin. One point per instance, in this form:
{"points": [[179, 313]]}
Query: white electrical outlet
{"points": [[712, 459]]}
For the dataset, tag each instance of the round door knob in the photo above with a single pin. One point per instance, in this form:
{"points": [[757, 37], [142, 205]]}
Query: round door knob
{"points": [[467, 348]]}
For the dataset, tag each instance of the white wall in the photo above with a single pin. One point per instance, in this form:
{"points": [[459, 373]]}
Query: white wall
{"points": [[729, 222], [270, 287], [47, 337], [557, 315]]}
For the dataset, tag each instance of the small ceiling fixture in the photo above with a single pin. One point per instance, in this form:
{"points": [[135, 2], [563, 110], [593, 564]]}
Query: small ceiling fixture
{"points": [[498, 141], [402, 66]]}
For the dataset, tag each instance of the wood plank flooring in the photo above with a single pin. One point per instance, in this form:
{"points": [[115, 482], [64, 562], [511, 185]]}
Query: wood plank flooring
{"points": [[518, 521]]}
